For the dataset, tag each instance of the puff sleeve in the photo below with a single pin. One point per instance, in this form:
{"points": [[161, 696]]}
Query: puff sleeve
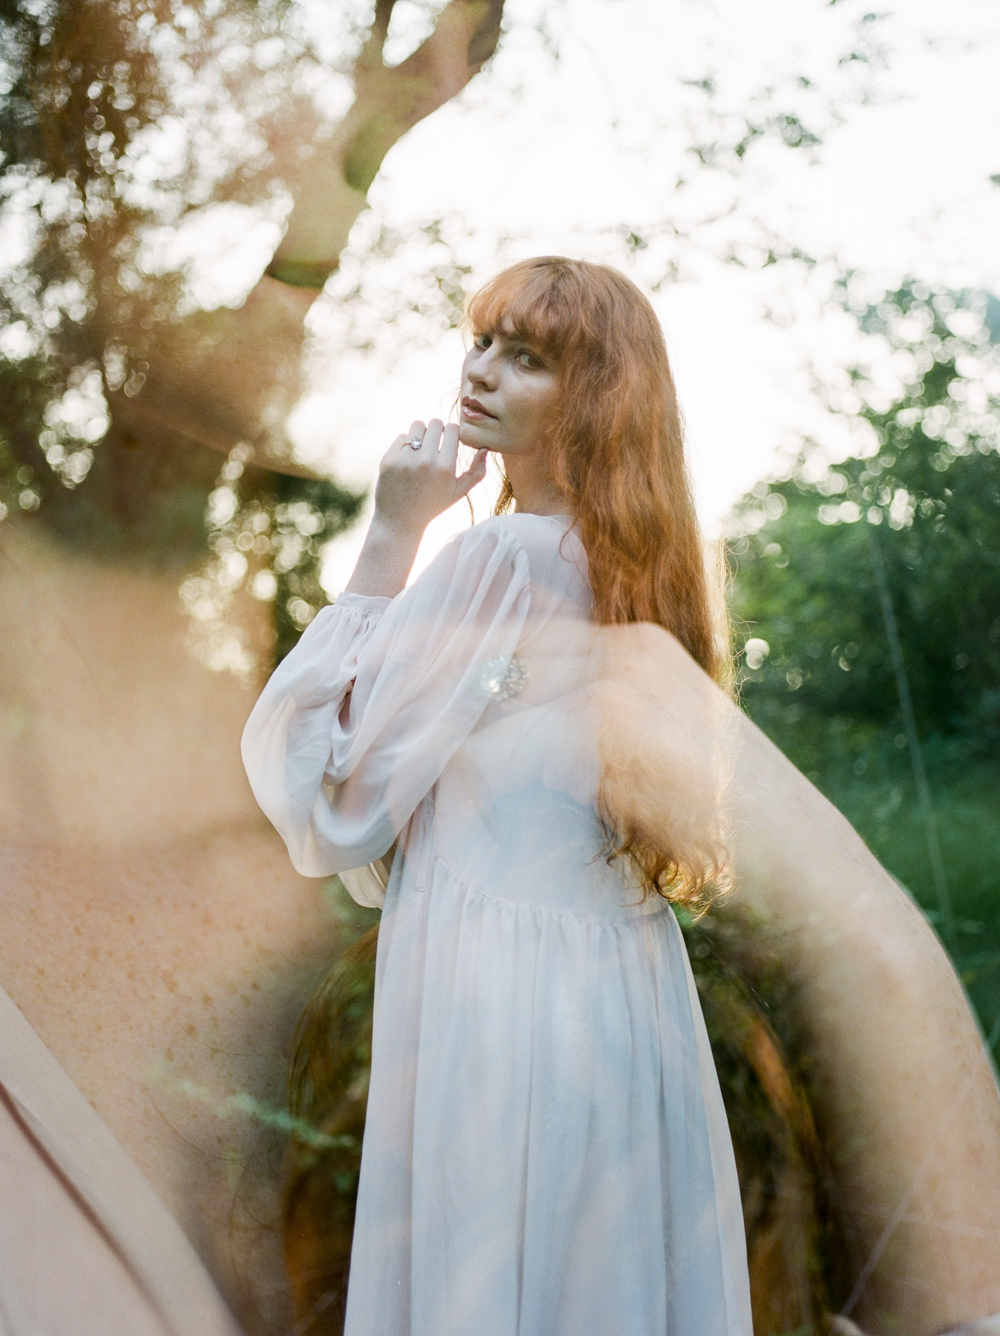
{"points": [[359, 720]]}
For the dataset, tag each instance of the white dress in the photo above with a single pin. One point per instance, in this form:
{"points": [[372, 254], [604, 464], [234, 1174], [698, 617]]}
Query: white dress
{"points": [[546, 1151]]}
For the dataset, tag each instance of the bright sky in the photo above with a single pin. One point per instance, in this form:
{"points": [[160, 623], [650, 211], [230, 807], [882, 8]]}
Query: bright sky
{"points": [[544, 155]]}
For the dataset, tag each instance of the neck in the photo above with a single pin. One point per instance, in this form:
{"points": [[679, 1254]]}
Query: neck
{"points": [[534, 488], [112, 729]]}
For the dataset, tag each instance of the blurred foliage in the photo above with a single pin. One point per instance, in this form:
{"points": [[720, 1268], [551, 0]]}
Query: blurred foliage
{"points": [[328, 1092], [95, 163], [117, 123], [307, 514], [816, 668], [797, 1255], [263, 532]]}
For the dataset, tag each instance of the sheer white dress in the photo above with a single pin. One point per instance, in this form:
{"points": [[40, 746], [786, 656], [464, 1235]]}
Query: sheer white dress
{"points": [[546, 1151]]}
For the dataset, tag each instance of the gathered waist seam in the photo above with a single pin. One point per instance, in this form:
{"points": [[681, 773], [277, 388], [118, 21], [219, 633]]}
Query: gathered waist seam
{"points": [[429, 861]]}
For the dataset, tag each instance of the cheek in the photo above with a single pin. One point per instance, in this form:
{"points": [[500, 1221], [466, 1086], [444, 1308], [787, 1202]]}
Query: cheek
{"points": [[546, 399], [525, 413]]}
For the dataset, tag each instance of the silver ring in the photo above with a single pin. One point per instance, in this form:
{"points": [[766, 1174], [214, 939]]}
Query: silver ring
{"points": [[414, 442]]}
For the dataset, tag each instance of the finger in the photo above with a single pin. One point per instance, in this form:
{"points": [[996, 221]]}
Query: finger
{"points": [[394, 451], [432, 437], [474, 475], [406, 454], [449, 446], [416, 432]]}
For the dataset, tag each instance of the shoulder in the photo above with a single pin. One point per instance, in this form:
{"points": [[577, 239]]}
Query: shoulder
{"points": [[527, 526], [555, 556], [536, 534], [495, 535], [485, 555], [506, 536]]}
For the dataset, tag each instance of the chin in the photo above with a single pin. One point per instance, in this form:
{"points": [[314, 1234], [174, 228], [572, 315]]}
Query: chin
{"points": [[471, 435]]}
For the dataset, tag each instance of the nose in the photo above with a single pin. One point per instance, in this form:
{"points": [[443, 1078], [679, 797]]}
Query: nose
{"points": [[482, 366]]}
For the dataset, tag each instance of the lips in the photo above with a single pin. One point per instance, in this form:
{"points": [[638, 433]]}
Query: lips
{"points": [[473, 409]]}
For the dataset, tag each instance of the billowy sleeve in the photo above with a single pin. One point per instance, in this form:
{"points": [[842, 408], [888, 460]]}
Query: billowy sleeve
{"points": [[358, 721]]}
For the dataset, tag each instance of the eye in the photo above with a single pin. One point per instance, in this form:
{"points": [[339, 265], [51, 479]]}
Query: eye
{"points": [[529, 359], [483, 340]]}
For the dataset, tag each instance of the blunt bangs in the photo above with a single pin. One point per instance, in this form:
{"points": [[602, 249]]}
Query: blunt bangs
{"points": [[533, 300]]}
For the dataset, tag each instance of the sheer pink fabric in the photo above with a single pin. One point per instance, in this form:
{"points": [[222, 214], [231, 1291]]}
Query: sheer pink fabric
{"points": [[86, 1246]]}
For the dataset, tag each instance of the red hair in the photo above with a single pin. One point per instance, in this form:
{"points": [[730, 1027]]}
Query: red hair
{"points": [[617, 441], [617, 449]]}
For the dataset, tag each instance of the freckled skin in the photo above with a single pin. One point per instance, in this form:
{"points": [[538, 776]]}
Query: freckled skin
{"points": [[129, 1037], [155, 933]]}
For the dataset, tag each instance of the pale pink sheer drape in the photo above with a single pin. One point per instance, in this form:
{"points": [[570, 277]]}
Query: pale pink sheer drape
{"points": [[86, 1246]]}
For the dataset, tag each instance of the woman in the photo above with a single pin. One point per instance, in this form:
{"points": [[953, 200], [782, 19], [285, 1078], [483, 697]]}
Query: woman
{"points": [[546, 1150]]}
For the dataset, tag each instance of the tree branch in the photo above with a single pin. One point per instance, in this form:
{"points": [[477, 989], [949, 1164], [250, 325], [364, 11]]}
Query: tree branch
{"points": [[388, 101]]}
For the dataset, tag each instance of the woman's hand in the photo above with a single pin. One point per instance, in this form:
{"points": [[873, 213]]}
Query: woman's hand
{"points": [[415, 485]]}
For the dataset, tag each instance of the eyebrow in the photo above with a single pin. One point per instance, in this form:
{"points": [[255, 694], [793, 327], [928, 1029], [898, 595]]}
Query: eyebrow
{"points": [[513, 336]]}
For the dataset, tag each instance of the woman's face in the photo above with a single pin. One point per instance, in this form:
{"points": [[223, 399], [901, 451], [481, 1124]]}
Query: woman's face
{"points": [[509, 390]]}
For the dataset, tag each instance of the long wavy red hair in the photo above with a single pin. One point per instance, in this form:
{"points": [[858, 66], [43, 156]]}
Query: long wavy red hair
{"points": [[617, 440], [616, 444]]}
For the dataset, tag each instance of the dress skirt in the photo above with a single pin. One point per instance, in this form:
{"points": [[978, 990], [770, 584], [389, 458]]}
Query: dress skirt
{"points": [[546, 1153]]}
